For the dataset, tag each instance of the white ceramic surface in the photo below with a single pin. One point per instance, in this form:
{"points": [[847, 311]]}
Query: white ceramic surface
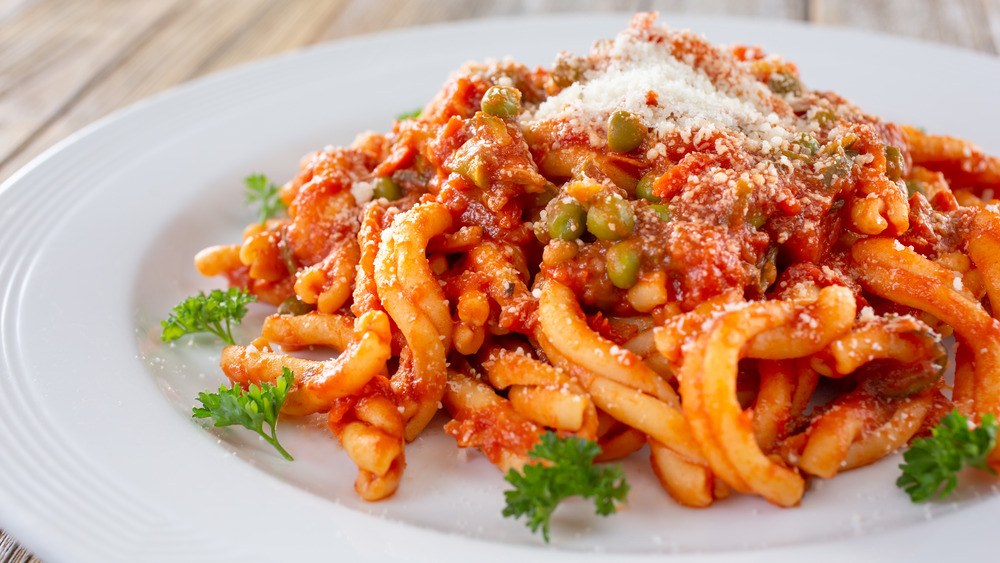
{"points": [[99, 458]]}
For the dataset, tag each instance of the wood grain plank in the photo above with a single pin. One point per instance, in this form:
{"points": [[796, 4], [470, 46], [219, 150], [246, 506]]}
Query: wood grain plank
{"points": [[358, 17], [991, 11], [282, 26], [46, 62], [10, 9], [960, 23], [12, 552], [167, 56], [773, 9]]}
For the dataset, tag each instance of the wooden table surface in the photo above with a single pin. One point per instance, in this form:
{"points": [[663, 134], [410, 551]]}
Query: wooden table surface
{"points": [[66, 63]]}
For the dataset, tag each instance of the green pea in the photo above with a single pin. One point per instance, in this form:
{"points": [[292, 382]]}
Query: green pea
{"points": [[625, 132], [387, 188], [644, 188], [610, 217], [825, 116], [293, 306], [502, 101], [893, 163], [567, 219], [662, 210], [622, 265]]}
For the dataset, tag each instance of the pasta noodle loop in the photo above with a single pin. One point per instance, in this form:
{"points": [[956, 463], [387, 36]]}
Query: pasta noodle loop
{"points": [[413, 298], [317, 384], [722, 429]]}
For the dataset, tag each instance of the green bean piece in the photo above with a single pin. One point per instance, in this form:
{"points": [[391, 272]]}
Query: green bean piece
{"points": [[756, 221], [893, 163], [836, 206], [293, 306], [839, 167], [784, 83], [644, 188], [622, 264], [794, 155], [662, 210], [768, 269], [567, 219], [914, 187], [470, 164], [387, 188], [809, 143], [625, 132], [610, 217], [502, 101]]}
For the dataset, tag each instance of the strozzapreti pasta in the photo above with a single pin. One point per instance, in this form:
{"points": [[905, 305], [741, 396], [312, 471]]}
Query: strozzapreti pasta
{"points": [[664, 242]]}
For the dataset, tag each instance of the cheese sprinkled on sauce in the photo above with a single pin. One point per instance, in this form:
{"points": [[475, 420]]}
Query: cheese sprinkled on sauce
{"points": [[670, 96], [363, 192]]}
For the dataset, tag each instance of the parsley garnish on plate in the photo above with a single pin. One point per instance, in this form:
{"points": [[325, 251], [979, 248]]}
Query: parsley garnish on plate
{"points": [[260, 189], [214, 313], [565, 469], [251, 408], [932, 464]]}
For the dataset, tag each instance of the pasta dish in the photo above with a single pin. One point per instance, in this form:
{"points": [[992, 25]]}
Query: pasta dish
{"points": [[663, 245]]}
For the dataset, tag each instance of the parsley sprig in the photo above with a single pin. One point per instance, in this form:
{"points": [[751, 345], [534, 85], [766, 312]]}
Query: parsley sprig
{"points": [[570, 472], [410, 114], [214, 313], [250, 408], [260, 189], [932, 464]]}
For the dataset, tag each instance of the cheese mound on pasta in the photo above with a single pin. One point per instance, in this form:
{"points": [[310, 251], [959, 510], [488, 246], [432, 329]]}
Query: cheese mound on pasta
{"points": [[662, 243]]}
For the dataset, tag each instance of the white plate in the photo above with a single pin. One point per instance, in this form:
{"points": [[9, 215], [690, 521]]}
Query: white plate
{"points": [[99, 458]]}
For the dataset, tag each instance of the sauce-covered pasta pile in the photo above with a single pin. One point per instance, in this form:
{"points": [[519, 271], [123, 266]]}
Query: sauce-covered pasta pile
{"points": [[662, 243]]}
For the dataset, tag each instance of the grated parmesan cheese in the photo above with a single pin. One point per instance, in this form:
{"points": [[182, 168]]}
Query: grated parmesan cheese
{"points": [[363, 191], [692, 102]]}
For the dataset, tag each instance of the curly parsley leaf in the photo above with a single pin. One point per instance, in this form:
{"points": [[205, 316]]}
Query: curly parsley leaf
{"points": [[932, 464], [410, 114], [250, 408], [570, 471], [260, 189], [214, 313]]}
